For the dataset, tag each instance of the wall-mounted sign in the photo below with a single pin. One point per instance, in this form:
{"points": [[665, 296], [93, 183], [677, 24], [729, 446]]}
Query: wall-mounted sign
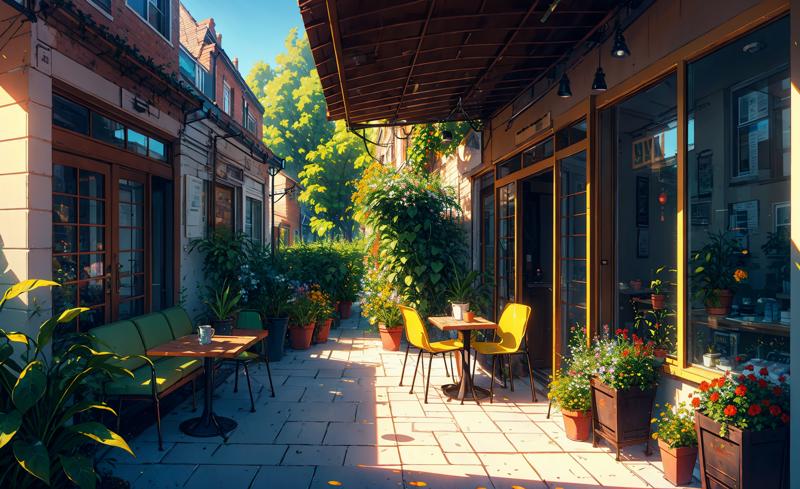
{"points": [[195, 207]]}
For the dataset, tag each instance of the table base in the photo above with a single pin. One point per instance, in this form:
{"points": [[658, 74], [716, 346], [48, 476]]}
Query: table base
{"points": [[205, 428], [453, 392]]}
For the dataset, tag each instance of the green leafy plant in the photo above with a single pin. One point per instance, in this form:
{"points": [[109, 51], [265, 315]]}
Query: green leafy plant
{"points": [[657, 285], [224, 254], [657, 326], [571, 388], [675, 426], [777, 249], [45, 437], [276, 302], [336, 267], [717, 266], [303, 311], [223, 303], [379, 302], [467, 286]]}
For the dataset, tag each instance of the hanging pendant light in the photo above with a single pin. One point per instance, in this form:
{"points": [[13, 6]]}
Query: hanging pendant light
{"points": [[620, 48], [564, 90], [599, 82]]}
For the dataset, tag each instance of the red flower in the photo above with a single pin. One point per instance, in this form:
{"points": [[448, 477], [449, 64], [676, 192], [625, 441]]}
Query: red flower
{"points": [[775, 410], [765, 402], [625, 353], [741, 377], [782, 379], [696, 402], [750, 367], [720, 381], [785, 418], [777, 391], [751, 377], [754, 410], [714, 397], [738, 359], [730, 410], [764, 371], [762, 383], [704, 386], [741, 390]]}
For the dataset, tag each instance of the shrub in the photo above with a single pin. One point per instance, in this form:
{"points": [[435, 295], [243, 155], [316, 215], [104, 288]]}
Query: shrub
{"points": [[337, 268]]}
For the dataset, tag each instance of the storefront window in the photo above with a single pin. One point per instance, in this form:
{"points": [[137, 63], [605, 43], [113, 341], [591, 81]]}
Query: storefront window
{"points": [[643, 147], [253, 218], [487, 228], [738, 201], [572, 247], [506, 251], [224, 208]]}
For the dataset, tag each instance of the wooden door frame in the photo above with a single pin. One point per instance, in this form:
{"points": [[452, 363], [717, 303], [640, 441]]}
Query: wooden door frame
{"points": [[81, 163], [121, 172]]}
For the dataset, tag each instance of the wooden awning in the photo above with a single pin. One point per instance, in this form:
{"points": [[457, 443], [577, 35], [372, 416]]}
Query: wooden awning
{"points": [[415, 61]]}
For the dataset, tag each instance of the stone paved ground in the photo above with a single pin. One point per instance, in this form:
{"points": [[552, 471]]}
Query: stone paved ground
{"points": [[339, 419]]}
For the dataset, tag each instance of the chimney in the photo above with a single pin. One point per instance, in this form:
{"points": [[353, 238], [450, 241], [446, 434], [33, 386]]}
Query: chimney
{"points": [[219, 40], [211, 23], [236, 62]]}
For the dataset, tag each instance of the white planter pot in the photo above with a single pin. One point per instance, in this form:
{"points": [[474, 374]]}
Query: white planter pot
{"points": [[710, 360], [459, 310]]}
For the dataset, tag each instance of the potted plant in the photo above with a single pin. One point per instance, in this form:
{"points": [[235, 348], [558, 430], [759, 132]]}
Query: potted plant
{"points": [[223, 304], [379, 306], [716, 271], [742, 427], [711, 357], [677, 442], [464, 288], [623, 389], [658, 327], [51, 403], [323, 312], [570, 391], [275, 307], [657, 297], [302, 320]]}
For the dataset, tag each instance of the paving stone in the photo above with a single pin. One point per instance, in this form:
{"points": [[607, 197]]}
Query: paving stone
{"points": [[319, 411], [227, 476], [369, 456], [446, 477], [490, 443], [249, 454], [353, 434], [314, 455], [282, 477], [422, 455], [191, 453], [302, 432], [560, 469], [163, 476], [453, 442], [357, 477]]}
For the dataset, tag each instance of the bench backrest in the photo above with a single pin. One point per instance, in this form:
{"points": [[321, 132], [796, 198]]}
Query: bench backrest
{"points": [[154, 329], [121, 338], [179, 321]]}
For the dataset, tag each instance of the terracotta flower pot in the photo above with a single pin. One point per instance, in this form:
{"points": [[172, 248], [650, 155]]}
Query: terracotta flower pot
{"points": [[300, 336], [577, 424], [678, 463], [345, 309], [722, 307], [743, 458], [391, 337], [469, 316], [323, 330], [621, 417], [658, 301]]}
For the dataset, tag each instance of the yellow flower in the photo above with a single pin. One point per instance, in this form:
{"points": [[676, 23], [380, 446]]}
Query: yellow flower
{"points": [[739, 275]]}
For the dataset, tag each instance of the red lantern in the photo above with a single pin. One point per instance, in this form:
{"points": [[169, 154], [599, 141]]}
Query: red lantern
{"points": [[662, 198]]}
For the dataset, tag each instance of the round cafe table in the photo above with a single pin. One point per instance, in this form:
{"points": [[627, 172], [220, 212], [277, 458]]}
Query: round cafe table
{"points": [[465, 389]]}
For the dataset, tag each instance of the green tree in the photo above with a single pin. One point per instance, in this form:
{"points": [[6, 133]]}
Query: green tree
{"points": [[329, 179], [294, 107]]}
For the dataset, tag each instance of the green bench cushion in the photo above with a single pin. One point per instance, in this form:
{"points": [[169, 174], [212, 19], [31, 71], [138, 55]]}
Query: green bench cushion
{"points": [[178, 321], [154, 329], [169, 371], [249, 320], [121, 338]]}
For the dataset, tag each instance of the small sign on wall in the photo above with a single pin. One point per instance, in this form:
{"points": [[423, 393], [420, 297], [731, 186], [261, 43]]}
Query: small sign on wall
{"points": [[195, 207]]}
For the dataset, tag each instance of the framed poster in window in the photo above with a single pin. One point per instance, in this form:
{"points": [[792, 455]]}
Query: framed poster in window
{"points": [[701, 213], [705, 173], [642, 201], [195, 207]]}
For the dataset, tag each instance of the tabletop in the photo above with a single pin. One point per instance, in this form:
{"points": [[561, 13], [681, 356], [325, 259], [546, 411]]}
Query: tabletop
{"points": [[449, 323], [221, 346]]}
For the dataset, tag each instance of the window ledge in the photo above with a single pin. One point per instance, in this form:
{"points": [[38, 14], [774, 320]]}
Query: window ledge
{"points": [[690, 374]]}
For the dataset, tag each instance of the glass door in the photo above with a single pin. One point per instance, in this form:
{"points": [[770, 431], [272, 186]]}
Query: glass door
{"points": [[132, 272], [572, 257], [506, 245], [81, 218]]}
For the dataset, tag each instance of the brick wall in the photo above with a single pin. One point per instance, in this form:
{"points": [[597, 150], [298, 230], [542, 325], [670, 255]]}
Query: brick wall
{"points": [[225, 73]]}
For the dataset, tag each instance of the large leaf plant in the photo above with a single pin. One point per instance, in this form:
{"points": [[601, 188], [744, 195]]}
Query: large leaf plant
{"points": [[46, 432]]}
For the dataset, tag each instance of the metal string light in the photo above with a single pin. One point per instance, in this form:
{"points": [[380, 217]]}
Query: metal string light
{"points": [[599, 83]]}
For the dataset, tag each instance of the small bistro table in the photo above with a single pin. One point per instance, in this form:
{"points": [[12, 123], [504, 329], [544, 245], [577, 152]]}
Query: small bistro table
{"points": [[227, 347], [465, 389]]}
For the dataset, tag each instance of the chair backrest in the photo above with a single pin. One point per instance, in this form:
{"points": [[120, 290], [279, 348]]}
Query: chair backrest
{"points": [[121, 338], [416, 333], [512, 325], [154, 329], [179, 321], [249, 319]]}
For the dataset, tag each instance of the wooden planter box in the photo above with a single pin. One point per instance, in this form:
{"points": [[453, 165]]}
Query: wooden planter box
{"points": [[743, 459], [621, 417]]}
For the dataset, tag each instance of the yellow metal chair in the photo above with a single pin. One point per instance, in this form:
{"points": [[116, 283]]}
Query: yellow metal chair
{"points": [[417, 336], [511, 331]]}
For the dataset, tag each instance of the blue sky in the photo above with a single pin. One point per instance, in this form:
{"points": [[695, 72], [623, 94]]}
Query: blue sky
{"points": [[251, 33]]}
